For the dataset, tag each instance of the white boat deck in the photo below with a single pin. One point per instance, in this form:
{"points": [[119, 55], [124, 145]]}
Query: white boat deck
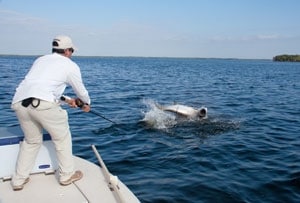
{"points": [[45, 188], [96, 185]]}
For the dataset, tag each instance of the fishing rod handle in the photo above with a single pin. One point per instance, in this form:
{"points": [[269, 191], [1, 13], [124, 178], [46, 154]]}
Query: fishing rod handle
{"points": [[78, 101]]}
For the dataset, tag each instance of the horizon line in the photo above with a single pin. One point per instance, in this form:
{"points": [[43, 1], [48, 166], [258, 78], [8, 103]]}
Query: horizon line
{"points": [[179, 57]]}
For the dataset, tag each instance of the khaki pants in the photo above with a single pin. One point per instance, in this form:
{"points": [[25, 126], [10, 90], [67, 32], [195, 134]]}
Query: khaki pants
{"points": [[54, 120]]}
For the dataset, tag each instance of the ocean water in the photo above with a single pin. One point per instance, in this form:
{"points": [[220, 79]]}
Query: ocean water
{"points": [[247, 150]]}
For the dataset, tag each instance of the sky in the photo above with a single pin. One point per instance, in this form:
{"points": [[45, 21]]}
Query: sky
{"points": [[248, 29]]}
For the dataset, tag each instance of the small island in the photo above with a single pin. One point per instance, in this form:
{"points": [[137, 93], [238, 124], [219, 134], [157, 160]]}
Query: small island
{"points": [[286, 57]]}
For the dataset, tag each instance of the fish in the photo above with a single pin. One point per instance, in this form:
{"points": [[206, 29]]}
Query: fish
{"points": [[185, 111]]}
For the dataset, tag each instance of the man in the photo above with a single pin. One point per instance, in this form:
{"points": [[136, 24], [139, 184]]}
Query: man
{"points": [[37, 106]]}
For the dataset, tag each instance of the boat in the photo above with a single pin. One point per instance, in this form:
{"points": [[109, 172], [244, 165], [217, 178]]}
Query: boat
{"points": [[97, 184]]}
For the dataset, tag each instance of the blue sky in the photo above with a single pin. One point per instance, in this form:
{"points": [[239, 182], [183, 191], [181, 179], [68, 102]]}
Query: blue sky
{"points": [[258, 29]]}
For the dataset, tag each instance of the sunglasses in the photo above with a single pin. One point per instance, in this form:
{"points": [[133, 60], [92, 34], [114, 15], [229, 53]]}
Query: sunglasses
{"points": [[71, 50]]}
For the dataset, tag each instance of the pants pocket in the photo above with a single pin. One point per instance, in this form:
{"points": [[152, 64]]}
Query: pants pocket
{"points": [[44, 105]]}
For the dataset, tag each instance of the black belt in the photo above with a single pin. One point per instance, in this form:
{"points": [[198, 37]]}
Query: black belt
{"points": [[28, 101]]}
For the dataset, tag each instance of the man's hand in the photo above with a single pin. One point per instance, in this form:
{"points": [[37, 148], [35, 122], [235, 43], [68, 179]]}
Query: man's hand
{"points": [[83, 106], [86, 108], [74, 103]]}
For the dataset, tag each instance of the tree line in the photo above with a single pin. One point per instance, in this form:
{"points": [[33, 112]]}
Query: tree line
{"points": [[286, 57]]}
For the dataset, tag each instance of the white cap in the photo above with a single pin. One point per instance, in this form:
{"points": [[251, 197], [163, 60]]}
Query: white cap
{"points": [[62, 42]]}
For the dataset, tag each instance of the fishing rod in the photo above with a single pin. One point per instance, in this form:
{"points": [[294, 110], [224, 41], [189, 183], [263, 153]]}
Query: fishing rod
{"points": [[80, 104], [98, 114], [113, 181]]}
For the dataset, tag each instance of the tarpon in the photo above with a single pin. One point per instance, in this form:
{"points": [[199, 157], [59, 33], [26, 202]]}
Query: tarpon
{"points": [[186, 111]]}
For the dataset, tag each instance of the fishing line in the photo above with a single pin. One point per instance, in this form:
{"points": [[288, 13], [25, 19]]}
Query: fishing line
{"points": [[98, 114]]}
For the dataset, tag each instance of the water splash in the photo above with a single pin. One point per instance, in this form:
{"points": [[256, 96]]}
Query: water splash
{"points": [[155, 118]]}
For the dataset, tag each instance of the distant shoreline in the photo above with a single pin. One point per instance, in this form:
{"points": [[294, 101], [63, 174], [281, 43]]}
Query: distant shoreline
{"points": [[286, 57], [171, 57]]}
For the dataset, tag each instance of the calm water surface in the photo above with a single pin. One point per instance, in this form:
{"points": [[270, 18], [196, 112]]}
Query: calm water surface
{"points": [[247, 150]]}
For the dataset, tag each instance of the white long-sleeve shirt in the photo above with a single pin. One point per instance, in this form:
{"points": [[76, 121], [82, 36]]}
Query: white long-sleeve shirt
{"points": [[48, 78]]}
